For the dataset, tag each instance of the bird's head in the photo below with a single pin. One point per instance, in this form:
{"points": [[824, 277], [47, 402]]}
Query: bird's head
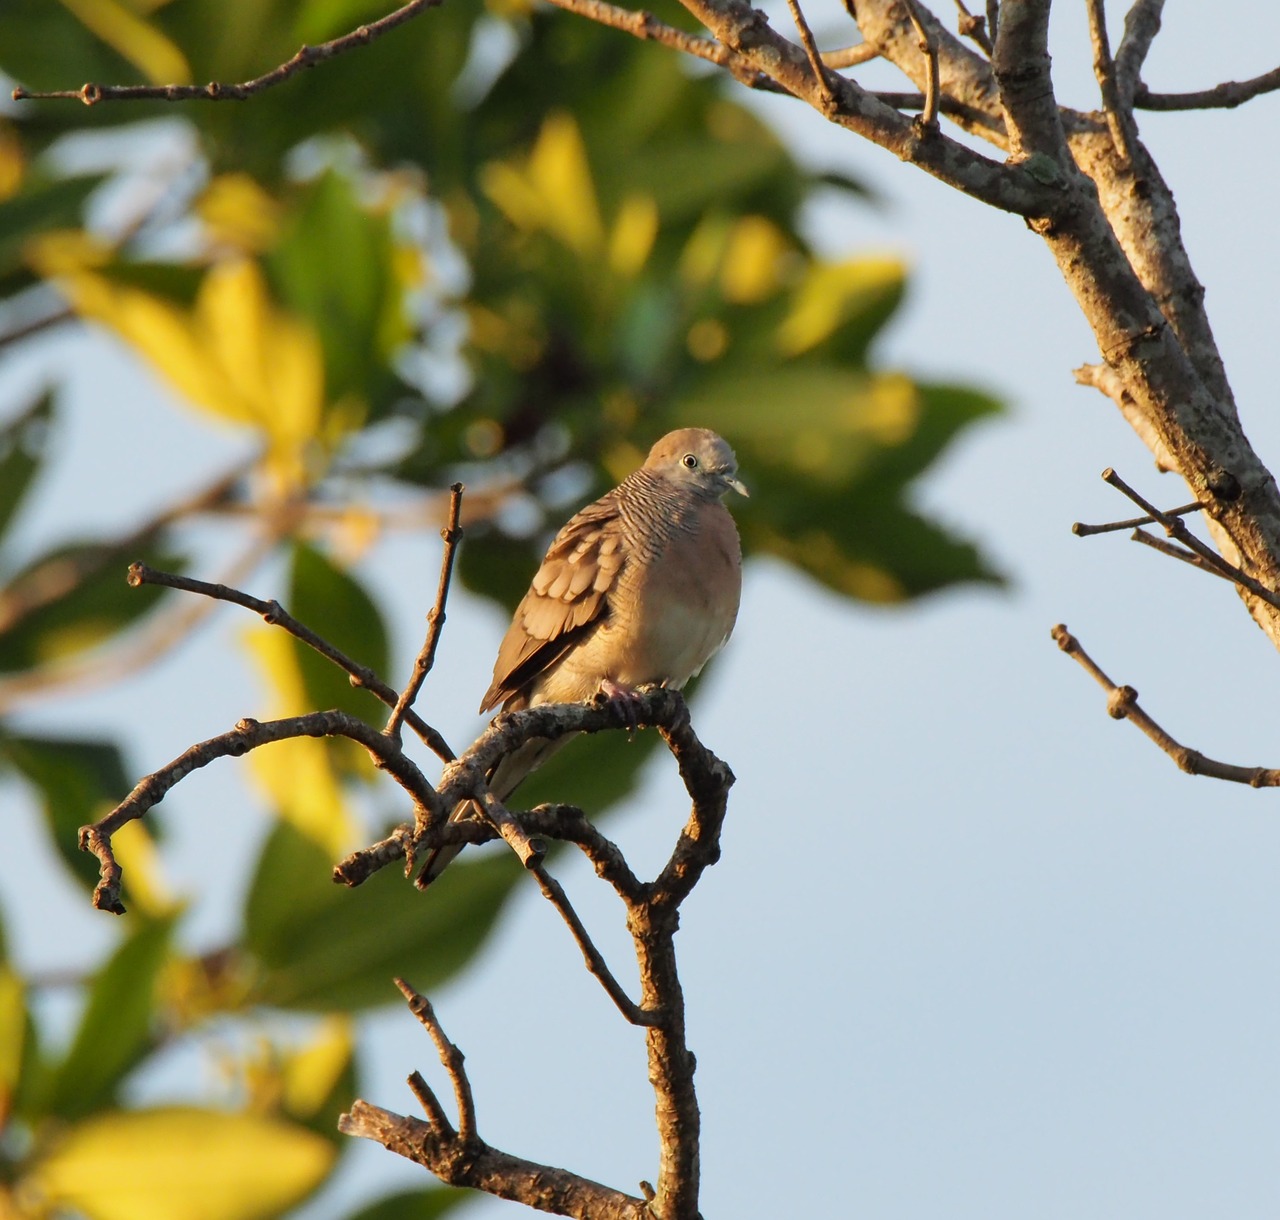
{"points": [[696, 458]]}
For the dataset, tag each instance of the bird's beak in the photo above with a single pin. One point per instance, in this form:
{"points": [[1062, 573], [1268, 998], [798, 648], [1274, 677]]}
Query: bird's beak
{"points": [[737, 484]]}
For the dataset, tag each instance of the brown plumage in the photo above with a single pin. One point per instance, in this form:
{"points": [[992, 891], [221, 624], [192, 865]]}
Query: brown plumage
{"points": [[640, 587]]}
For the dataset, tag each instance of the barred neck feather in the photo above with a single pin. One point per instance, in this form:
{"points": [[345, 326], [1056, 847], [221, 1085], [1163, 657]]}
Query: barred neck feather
{"points": [[655, 509]]}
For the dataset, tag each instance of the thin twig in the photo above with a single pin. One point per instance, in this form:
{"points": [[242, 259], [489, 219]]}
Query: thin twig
{"points": [[1122, 704], [928, 118], [1119, 121], [275, 614], [306, 57], [1085, 531], [1176, 528], [993, 20], [820, 70], [645, 26], [971, 26], [428, 1100], [450, 1056], [1141, 25], [33, 326], [851, 57], [247, 735], [1225, 96], [452, 535], [55, 578], [1173, 551], [544, 1187], [554, 893], [529, 849]]}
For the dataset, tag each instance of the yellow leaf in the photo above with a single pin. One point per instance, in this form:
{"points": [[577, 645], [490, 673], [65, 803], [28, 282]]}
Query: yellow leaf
{"points": [[240, 213], [234, 354], [158, 59], [753, 260], [700, 258], [136, 852], [13, 1031], [12, 163], [830, 294], [889, 409], [553, 190], [633, 235], [298, 773], [181, 1163], [312, 1072]]}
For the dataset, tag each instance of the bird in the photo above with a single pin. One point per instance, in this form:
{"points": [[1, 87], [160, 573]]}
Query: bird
{"points": [[639, 588]]}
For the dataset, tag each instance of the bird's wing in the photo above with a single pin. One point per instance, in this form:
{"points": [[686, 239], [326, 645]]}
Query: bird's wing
{"points": [[570, 591]]}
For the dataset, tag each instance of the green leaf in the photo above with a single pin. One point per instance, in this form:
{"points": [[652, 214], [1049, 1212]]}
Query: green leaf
{"points": [[117, 1028], [71, 599], [78, 781], [355, 302], [24, 444], [322, 947], [415, 1205], [333, 602]]}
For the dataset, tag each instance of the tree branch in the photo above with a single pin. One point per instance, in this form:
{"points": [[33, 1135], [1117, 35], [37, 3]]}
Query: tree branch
{"points": [[1141, 25], [1122, 704], [543, 1187], [247, 735], [1225, 96], [306, 57], [1114, 104], [452, 535], [274, 614]]}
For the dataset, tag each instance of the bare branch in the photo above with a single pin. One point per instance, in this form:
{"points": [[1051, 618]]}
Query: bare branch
{"points": [[1105, 379], [966, 86], [1084, 531], [1226, 96], [529, 850], [1173, 551], [33, 326], [1115, 107], [820, 71], [58, 577], [1122, 704], [450, 1056], [1141, 25], [452, 535], [247, 735], [929, 49], [543, 1187], [645, 26], [554, 893], [1020, 61], [274, 614], [1176, 528], [971, 26], [306, 57], [746, 31], [850, 57]]}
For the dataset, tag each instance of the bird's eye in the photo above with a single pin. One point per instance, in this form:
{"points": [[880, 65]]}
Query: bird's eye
{"points": [[690, 461]]}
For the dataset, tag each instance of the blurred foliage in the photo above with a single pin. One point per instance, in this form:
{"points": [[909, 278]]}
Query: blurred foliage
{"points": [[497, 244]]}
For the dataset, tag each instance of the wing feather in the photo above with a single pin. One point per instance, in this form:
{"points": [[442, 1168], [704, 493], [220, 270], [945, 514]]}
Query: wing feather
{"points": [[569, 592]]}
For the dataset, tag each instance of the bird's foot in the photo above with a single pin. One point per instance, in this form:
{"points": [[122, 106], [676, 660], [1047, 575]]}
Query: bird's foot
{"points": [[625, 700]]}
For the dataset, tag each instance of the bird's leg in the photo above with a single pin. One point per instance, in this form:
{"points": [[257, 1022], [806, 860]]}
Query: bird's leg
{"points": [[625, 698]]}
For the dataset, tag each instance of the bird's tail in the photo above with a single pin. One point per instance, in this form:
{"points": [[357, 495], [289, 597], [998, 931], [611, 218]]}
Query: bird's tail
{"points": [[509, 774]]}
